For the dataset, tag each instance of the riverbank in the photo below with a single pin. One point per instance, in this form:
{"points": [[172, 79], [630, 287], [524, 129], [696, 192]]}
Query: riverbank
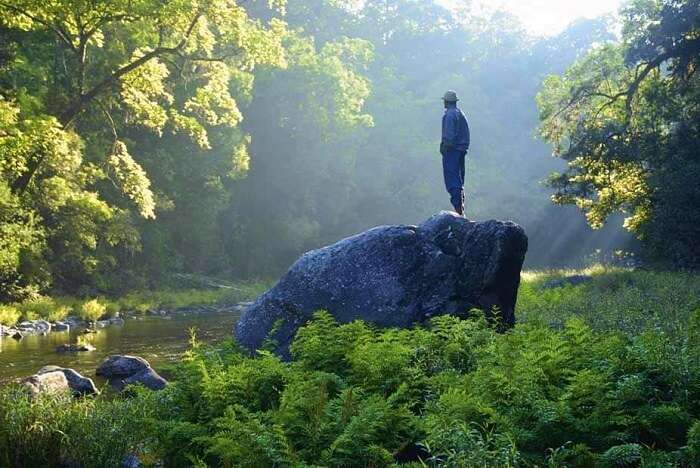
{"points": [[568, 386], [53, 309], [154, 324]]}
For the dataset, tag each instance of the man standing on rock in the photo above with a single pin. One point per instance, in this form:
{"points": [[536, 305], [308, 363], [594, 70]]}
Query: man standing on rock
{"points": [[454, 147]]}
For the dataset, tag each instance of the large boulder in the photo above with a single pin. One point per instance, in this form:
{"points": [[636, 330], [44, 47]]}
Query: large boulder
{"points": [[78, 384], [121, 371], [395, 276]]}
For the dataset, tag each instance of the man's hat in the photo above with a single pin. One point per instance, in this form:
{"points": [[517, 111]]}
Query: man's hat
{"points": [[450, 96]]}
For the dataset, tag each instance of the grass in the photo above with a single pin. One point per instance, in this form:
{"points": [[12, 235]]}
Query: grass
{"points": [[143, 301], [615, 299], [58, 308]]}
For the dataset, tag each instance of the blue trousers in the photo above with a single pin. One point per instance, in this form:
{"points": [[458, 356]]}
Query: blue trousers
{"points": [[453, 171]]}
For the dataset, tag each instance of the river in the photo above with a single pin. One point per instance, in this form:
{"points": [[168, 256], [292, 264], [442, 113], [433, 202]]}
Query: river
{"points": [[157, 339]]}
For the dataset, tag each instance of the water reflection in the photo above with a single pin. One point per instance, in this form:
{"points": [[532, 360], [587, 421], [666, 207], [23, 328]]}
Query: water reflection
{"points": [[157, 339]]}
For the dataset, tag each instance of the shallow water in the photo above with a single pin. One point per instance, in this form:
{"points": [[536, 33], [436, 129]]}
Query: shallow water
{"points": [[157, 339]]}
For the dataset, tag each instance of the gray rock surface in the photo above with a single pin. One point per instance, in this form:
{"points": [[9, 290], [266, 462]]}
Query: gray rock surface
{"points": [[395, 276], [34, 327], [131, 461], [48, 383], [124, 370], [119, 366], [79, 384]]}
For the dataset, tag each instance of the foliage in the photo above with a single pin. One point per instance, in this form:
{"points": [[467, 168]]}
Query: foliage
{"points": [[451, 393], [9, 315], [625, 119], [45, 308], [92, 310], [115, 80]]}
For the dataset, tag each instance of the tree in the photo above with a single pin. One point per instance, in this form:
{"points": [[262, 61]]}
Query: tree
{"points": [[626, 120], [130, 57], [77, 79]]}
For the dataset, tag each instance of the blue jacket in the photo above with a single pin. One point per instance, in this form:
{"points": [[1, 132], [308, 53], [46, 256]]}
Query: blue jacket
{"points": [[455, 129]]}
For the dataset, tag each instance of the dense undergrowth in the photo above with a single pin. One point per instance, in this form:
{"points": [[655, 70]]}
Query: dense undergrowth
{"points": [[58, 308], [576, 387]]}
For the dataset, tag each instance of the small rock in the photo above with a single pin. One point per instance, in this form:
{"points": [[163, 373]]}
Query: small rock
{"points": [[42, 326], [78, 384], [88, 331], [117, 321], [75, 348], [60, 326], [51, 382], [72, 320], [102, 323], [17, 335]]}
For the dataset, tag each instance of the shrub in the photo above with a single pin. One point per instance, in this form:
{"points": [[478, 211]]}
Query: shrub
{"points": [[693, 445], [92, 310], [9, 315], [45, 308]]}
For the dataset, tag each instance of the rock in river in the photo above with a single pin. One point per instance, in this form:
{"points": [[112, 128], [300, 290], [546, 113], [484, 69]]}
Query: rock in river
{"points": [[75, 348], [60, 326], [47, 383], [34, 327], [78, 384], [395, 276], [125, 370]]}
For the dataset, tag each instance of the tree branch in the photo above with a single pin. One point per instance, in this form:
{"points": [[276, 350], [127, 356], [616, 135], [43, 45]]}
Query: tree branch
{"points": [[67, 117], [59, 32], [72, 112]]}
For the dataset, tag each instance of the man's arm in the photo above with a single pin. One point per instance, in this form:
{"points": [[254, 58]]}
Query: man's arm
{"points": [[466, 124]]}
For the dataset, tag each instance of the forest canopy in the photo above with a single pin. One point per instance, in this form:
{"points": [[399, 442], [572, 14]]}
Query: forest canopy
{"points": [[143, 138]]}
